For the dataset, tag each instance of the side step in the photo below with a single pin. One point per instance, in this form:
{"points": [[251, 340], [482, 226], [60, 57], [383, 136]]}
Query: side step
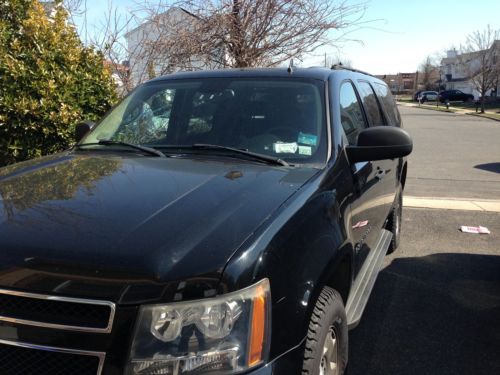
{"points": [[365, 280]]}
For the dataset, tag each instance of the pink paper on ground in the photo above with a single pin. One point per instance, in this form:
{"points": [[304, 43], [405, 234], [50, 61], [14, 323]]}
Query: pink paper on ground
{"points": [[477, 230]]}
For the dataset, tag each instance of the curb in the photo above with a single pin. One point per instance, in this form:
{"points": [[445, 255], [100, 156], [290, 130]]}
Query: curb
{"points": [[451, 110], [432, 108], [481, 116], [483, 205]]}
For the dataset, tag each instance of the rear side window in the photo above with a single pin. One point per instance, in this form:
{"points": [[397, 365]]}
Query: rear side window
{"points": [[388, 104], [351, 114], [370, 103]]}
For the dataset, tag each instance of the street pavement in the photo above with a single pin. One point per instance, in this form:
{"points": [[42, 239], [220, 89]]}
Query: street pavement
{"points": [[435, 308], [454, 155]]}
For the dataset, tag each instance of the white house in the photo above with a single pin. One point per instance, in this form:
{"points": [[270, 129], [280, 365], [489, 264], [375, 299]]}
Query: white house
{"points": [[456, 69], [146, 55]]}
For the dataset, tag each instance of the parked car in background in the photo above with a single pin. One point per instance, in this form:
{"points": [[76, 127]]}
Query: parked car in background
{"points": [[427, 96], [454, 96], [214, 222], [415, 96]]}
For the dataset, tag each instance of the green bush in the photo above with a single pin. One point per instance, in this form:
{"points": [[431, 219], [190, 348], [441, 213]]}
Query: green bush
{"points": [[49, 81]]}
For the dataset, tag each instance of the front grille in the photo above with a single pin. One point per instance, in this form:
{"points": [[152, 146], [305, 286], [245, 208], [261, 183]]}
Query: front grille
{"points": [[18, 358], [56, 312]]}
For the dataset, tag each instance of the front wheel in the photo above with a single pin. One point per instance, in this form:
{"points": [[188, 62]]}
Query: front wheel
{"points": [[327, 338]]}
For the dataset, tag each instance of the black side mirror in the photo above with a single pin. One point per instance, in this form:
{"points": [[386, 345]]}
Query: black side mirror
{"points": [[82, 129], [380, 142]]}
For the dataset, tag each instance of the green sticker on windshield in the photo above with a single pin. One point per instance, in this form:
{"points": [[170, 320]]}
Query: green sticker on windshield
{"points": [[308, 139]]}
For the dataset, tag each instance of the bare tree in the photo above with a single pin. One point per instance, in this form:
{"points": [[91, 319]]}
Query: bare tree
{"points": [[243, 33], [482, 58], [429, 70], [106, 34], [199, 34], [337, 59], [108, 37]]}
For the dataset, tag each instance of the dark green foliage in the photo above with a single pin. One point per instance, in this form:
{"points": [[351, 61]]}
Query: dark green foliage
{"points": [[48, 81]]}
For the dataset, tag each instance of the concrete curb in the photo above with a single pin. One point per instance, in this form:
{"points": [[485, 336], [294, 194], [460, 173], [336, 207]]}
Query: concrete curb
{"points": [[484, 205], [458, 111], [482, 116]]}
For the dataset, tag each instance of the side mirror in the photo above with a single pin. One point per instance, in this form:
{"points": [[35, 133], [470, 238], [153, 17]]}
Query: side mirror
{"points": [[82, 129], [380, 142]]}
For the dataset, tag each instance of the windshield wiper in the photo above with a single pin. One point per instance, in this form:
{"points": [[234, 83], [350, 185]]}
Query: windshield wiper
{"points": [[109, 142], [238, 151]]}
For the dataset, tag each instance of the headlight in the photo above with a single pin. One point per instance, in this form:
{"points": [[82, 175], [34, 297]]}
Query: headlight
{"points": [[221, 335]]}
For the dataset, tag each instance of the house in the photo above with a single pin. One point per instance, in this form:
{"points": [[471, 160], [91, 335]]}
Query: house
{"points": [[50, 8], [121, 76], [457, 69], [148, 56], [401, 83]]}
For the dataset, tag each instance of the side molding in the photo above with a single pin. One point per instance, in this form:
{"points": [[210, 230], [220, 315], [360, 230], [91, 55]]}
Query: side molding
{"points": [[363, 285]]}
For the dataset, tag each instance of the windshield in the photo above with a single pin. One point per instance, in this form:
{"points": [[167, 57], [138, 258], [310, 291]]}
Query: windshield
{"points": [[283, 118]]}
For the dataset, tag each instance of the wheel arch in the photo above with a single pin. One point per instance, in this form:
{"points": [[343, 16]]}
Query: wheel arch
{"points": [[340, 276]]}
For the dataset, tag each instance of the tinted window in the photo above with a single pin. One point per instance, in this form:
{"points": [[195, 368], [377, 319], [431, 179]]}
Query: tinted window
{"points": [[282, 118], [351, 114], [370, 103], [388, 103]]}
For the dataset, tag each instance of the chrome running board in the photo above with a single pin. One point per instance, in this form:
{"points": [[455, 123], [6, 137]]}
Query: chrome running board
{"points": [[363, 285]]}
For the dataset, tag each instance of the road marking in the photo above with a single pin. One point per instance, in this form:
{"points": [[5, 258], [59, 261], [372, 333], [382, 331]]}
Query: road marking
{"points": [[485, 205]]}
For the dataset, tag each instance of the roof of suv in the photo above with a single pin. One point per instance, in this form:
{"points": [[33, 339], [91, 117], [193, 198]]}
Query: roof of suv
{"points": [[312, 73]]}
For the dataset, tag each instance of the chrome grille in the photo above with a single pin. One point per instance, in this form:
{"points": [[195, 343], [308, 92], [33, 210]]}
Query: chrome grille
{"points": [[73, 314], [26, 359]]}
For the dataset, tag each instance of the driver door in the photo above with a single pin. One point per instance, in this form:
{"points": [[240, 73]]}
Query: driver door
{"points": [[367, 205]]}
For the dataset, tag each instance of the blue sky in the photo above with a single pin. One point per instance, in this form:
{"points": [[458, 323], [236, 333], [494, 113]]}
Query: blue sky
{"points": [[401, 35]]}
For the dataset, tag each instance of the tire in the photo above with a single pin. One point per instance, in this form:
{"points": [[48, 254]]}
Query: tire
{"points": [[394, 223], [327, 338]]}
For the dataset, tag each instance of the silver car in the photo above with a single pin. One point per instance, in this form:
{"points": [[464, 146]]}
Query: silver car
{"points": [[426, 96]]}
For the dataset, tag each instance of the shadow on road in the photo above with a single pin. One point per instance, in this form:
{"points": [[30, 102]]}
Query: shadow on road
{"points": [[490, 167], [438, 314]]}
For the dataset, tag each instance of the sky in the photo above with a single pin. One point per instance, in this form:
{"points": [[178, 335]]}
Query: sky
{"points": [[396, 38]]}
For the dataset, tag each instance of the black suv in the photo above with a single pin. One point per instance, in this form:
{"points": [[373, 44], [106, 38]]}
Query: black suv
{"points": [[454, 96], [215, 222]]}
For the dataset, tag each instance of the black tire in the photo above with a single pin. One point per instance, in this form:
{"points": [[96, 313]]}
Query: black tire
{"points": [[395, 221], [328, 322]]}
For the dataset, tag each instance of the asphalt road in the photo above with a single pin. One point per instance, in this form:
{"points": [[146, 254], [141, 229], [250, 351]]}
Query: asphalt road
{"points": [[435, 308], [454, 155]]}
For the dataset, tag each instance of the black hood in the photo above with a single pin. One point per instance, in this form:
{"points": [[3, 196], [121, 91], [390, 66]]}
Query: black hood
{"points": [[97, 224]]}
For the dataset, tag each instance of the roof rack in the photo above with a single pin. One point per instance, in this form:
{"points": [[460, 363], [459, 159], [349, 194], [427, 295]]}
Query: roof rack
{"points": [[342, 67]]}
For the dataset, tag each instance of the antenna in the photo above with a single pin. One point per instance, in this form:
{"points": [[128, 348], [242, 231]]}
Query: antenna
{"points": [[290, 67]]}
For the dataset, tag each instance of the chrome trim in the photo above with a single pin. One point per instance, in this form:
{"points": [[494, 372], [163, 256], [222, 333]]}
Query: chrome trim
{"points": [[100, 355], [329, 123], [46, 297]]}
